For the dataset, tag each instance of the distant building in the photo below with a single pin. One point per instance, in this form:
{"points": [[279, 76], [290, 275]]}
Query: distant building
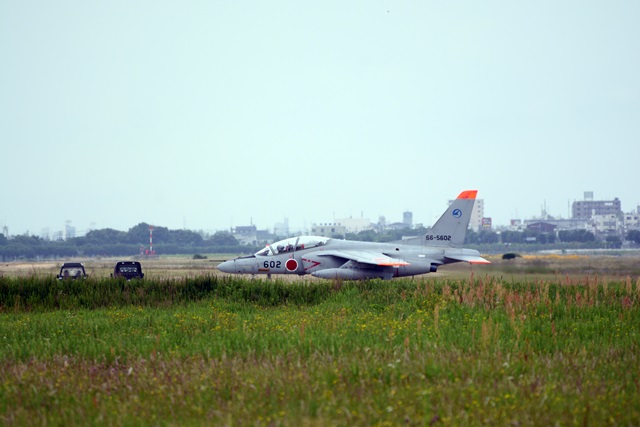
{"points": [[341, 226], [586, 209], [477, 215], [542, 227], [281, 228], [246, 235], [631, 221], [407, 223], [397, 226], [407, 219], [328, 230], [514, 225], [606, 224], [69, 230], [263, 236], [559, 224], [353, 225]]}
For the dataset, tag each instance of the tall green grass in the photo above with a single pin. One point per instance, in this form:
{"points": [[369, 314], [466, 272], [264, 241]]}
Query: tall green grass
{"points": [[42, 294], [232, 351]]}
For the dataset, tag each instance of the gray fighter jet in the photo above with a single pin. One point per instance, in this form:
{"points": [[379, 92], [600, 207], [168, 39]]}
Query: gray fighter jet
{"points": [[329, 258]]}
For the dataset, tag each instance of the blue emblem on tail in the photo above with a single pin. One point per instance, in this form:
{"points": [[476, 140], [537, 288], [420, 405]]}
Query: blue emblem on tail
{"points": [[457, 213]]}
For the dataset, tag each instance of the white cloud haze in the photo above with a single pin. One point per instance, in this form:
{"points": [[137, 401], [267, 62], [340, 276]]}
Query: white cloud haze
{"points": [[213, 114]]}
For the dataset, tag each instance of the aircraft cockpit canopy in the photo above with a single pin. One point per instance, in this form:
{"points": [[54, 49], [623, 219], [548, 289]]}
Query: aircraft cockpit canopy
{"points": [[292, 244]]}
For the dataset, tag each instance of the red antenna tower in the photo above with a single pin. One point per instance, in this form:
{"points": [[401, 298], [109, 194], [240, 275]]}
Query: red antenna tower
{"points": [[151, 252]]}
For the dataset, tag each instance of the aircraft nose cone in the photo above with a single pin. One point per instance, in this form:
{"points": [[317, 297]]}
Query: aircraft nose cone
{"points": [[227, 266]]}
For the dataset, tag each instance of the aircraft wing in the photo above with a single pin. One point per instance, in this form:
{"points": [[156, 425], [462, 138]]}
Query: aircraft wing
{"points": [[366, 257]]}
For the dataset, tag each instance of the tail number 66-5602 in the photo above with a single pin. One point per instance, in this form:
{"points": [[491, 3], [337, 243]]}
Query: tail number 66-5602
{"points": [[438, 237]]}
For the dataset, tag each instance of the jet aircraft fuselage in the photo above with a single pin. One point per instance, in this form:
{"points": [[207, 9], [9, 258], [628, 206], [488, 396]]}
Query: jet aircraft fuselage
{"points": [[330, 258]]}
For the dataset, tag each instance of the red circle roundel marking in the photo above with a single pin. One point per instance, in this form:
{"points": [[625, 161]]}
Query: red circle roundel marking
{"points": [[291, 264]]}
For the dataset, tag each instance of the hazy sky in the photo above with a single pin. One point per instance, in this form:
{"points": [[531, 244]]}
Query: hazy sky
{"points": [[211, 114]]}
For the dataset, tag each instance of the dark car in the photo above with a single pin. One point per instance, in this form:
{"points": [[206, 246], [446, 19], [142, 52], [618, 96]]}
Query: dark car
{"points": [[72, 270], [128, 269]]}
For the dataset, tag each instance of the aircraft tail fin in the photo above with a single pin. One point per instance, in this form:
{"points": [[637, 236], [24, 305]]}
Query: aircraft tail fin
{"points": [[451, 228]]}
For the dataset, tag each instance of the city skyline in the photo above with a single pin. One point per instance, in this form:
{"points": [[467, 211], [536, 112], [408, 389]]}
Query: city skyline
{"points": [[52, 231]]}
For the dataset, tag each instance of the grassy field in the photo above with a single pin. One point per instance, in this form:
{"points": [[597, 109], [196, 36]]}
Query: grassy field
{"points": [[542, 341]]}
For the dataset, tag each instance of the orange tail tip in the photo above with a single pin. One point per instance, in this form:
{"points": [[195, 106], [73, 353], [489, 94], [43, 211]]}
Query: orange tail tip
{"points": [[469, 194]]}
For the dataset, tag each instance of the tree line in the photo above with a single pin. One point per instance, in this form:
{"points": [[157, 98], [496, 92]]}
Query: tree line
{"points": [[111, 242]]}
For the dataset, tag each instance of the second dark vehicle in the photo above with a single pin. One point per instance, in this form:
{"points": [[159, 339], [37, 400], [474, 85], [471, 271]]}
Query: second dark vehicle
{"points": [[72, 270], [128, 269]]}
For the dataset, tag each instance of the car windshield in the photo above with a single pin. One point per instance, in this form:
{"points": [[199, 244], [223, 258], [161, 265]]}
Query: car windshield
{"points": [[71, 272], [292, 244]]}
